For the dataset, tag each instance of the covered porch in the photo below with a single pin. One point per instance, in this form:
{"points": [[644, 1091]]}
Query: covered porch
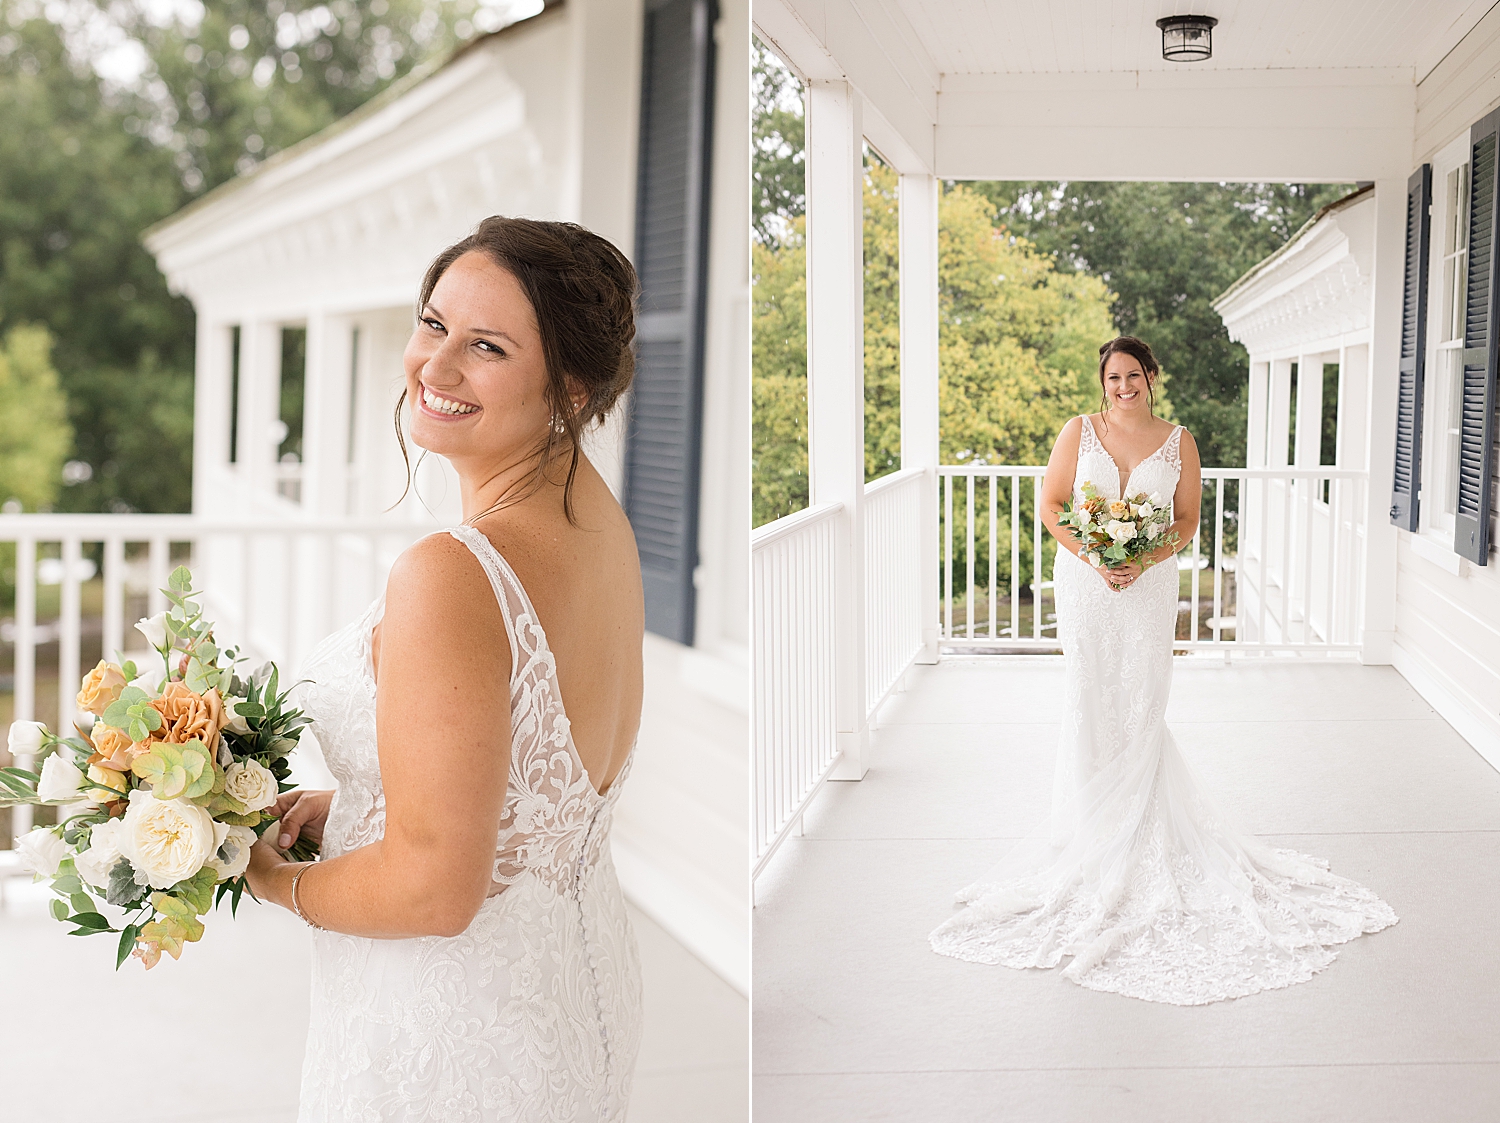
{"points": [[856, 1019], [900, 641]]}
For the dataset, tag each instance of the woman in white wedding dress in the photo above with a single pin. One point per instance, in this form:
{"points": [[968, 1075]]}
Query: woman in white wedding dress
{"points": [[474, 960], [1137, 880]]}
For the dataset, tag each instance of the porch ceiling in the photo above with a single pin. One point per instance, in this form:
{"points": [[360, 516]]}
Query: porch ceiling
{"points": [[1075, 89], [1104, 36]]}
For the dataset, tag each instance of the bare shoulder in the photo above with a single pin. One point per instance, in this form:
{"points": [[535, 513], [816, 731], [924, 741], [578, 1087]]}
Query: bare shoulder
{"points": [[1071, 433], [438, 582]]}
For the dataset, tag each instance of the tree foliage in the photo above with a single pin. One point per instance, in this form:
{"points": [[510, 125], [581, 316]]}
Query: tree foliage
{"points": [[34, 431], [1167, 250], [87, 162]]}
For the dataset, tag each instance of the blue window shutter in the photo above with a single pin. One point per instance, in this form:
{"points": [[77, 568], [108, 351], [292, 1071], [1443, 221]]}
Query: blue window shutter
{"points": [[662, 452], [1476, 445], [1407, 479]]}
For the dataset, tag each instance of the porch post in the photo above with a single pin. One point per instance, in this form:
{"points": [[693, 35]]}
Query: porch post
{"points": [[1309, 411], [325, 422], [1255, 437], [1377, 613], [1279, 419], [836, 383], [919, 379]]}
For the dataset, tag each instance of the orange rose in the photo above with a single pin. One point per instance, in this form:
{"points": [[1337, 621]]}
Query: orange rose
{"points": [[101, 687], [112, 748], [186, 716]]}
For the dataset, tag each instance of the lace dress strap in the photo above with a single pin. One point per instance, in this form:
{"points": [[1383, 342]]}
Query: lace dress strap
{"points": [[515, 605], [1088, 440], [1171, 450]]}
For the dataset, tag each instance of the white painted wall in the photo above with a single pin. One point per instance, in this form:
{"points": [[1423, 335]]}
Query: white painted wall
{"points": [[1447, 611]]}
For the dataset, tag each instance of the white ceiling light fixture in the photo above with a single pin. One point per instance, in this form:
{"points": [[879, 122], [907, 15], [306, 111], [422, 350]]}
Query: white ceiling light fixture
{"points": [[1187, 38]]}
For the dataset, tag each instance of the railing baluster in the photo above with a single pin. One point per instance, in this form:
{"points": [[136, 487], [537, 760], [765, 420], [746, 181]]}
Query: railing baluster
{"points": [[1036, 557], [1310, 505], [1219, 484], [23, 699], [994, 481], [1015, 556], [69, 611], [114, 597], [947, 557]]}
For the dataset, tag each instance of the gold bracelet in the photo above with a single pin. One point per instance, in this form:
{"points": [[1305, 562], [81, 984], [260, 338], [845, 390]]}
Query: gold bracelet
{"points": [[297, 908]]}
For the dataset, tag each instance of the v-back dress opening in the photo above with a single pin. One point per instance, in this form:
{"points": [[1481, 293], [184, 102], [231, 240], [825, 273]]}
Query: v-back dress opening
{"points": [[1136, 879], [533, 1013]]}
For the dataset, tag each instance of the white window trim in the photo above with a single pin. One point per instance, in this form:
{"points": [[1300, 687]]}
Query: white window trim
{"points": [[1435, 542]]}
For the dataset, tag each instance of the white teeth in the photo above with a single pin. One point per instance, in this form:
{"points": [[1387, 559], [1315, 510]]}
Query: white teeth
{"points": [[443, 405]]}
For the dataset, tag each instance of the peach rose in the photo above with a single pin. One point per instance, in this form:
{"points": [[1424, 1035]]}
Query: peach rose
{"points": [[101, 687], [186, 716], [112, 747]]}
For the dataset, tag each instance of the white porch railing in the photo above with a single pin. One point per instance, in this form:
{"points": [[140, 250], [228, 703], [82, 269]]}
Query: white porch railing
{"points": [[893, 573], [81, 581], [1277, 564], [792, 622]]}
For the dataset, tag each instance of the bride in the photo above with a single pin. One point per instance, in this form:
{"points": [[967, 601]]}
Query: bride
{"points": [[1137, 879], [473, 959]]}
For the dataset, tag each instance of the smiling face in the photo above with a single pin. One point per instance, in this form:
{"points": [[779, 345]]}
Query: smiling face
{"points": [[476, 378], [1126, 384]]}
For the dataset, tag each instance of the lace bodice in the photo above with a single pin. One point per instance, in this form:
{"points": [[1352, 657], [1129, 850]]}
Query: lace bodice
{"points": [[1156, 475], [532, 1015], [551, 806], [1137, 879]]}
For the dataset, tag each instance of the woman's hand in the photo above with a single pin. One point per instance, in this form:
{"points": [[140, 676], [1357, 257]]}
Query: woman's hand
{"points": [[1121, 577], [301, 813], [264, 873]]}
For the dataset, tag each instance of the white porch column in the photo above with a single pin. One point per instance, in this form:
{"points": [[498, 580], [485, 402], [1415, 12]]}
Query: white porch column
{"points": [[325, 418], [919, 377], [260, 387], [836, 382], [211, 407], [1309, 411], [1378, 612], [1279, 413], [1255, 437]]}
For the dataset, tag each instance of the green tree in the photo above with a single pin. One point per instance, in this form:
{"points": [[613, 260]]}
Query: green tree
{"points": [[779, 376], [34, 431], [1167, 250], [778, 142]]}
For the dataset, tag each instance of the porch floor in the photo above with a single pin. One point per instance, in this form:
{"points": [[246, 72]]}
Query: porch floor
{"points": [[246, 985], [856, 1019]]}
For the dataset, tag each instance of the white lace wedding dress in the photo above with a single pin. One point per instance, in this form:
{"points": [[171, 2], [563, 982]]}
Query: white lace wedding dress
{"points": [[1137, 879], [534, 1013]]}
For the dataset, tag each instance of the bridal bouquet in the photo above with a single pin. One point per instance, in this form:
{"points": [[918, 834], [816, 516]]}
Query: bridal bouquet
{"points": [[1116, 532], [165, 789]]}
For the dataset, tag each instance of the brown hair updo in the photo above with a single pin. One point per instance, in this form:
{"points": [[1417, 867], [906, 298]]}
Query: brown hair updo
{"points": [[582, 290], [1138, 350]]}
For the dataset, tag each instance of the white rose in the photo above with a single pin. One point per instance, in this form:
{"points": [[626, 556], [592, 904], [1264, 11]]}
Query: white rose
{"points": [[1093, 558], [103, 854], [1120, 531], [1154, 530], [1083, 517], [166, 840], [1146, 510], [232, 856], [235, 724], [250, 783], [154, 628], [60, 780], [41, 851], [25, 737]]}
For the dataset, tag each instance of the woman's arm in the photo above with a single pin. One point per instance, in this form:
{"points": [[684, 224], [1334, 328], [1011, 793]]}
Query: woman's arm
{"points": [[1057, 484], [443, 724]]}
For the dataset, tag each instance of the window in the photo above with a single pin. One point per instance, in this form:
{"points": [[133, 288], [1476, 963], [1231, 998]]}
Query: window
{"points": [[1443, 391]]}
